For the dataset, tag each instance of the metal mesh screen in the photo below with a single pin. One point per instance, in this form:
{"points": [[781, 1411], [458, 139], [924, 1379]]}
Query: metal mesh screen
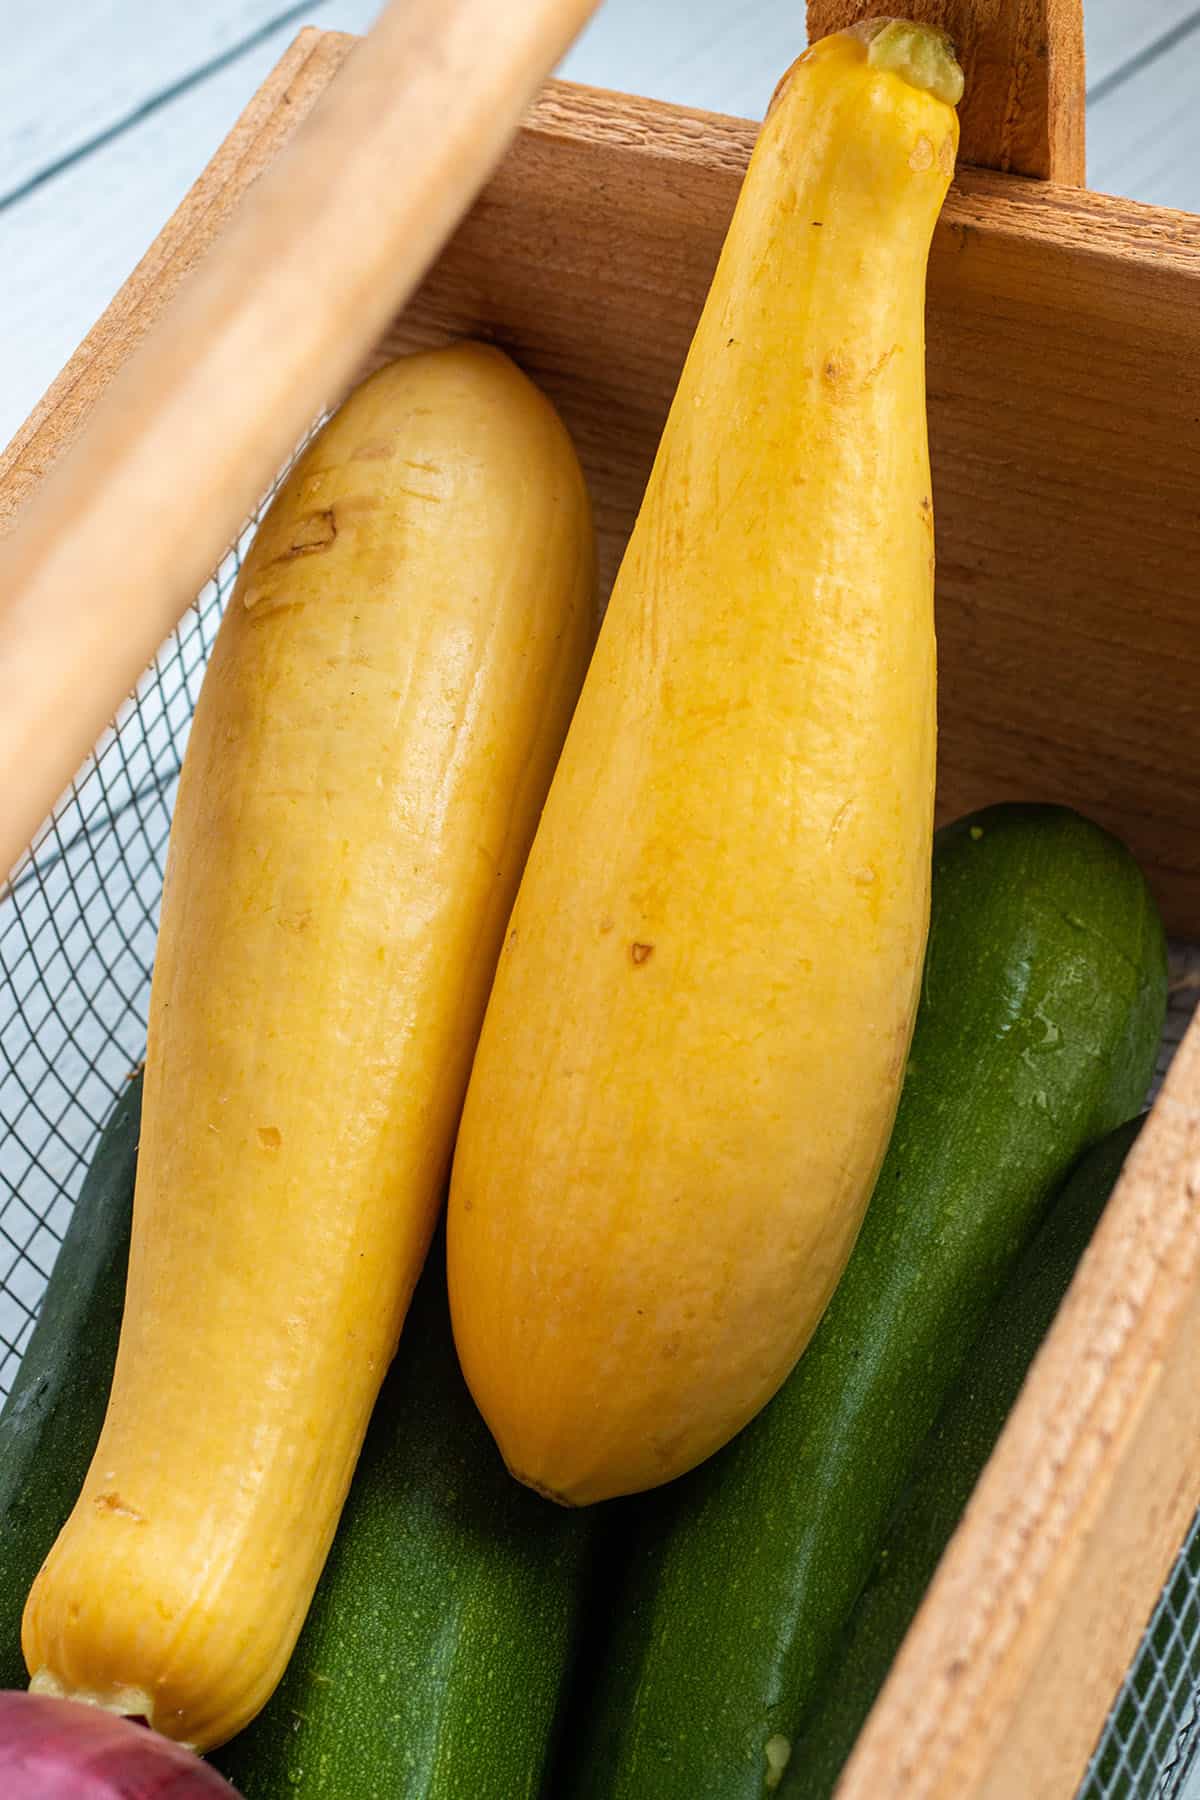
{"points": [[77, 932]]}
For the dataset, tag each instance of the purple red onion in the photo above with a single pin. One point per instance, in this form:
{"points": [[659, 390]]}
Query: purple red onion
{"points": [[61, 1750]]}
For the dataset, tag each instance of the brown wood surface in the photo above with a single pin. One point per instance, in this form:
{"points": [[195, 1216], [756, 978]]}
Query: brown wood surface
{"points": [[336, 231], [1023, 110], [1065, 416]]}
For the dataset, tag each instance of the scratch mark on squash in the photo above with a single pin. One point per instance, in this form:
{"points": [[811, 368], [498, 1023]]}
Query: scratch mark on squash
{"points": [[112, 1503], [839, 819], [312, 534]]}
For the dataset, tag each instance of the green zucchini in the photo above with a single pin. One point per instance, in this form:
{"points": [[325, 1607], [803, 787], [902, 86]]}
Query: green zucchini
{"points": [[1043, 1001], [52, 1417], [950, 1463], [436, 1652]]}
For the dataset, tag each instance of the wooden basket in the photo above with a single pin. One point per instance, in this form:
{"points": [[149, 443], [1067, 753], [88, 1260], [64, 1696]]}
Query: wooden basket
{"points": [[1064, 382]]}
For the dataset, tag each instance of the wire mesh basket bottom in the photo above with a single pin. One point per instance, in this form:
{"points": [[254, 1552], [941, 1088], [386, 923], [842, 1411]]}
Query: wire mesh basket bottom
{"points": [[77, 930]]}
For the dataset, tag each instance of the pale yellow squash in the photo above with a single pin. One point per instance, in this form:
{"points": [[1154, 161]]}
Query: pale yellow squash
{"points": [[376, 733], [694, 1046]]}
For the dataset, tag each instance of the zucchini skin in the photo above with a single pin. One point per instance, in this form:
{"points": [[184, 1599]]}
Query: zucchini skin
{"points": [[436, 1651], [53, 1414], [951, 1462], [435, 1655], [1042, 1006]]}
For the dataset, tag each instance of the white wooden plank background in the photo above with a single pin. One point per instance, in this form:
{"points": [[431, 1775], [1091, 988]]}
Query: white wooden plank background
{"points": [[1145, 130], [67, 242], [66, 87], [106, 119]]}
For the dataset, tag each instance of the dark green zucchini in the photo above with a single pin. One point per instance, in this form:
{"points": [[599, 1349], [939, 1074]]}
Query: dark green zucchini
{"points": [[434, 1657], [436, 1652], [1042, 1005], [52, 1417], [950, 1464]]}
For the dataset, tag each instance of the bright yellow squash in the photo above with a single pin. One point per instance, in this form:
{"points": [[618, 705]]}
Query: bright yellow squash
{"points": [[693, 1050], [387, 697]]}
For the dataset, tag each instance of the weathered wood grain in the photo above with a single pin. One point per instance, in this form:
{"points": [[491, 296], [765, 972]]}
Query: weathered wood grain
{"points": [[1023, 110]]}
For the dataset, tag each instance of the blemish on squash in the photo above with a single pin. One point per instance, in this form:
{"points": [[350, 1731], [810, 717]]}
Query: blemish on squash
{"points": [[547, 1493], [778, 1752], [269, 1137], [832, 371], [922, 154], [358, 503], [113, 1503], [839, 819], [312, 534], [376, 452], [946, 154], [976, 833], [879, 365], [606, 925], [641, 953]]}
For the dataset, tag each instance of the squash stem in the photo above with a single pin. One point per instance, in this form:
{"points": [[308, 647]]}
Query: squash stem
{"points": [[920, 54], [126, 1702]]}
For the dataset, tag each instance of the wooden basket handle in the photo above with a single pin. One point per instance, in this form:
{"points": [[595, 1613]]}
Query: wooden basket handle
{"points": [[123, 532], [1023, 110]]}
